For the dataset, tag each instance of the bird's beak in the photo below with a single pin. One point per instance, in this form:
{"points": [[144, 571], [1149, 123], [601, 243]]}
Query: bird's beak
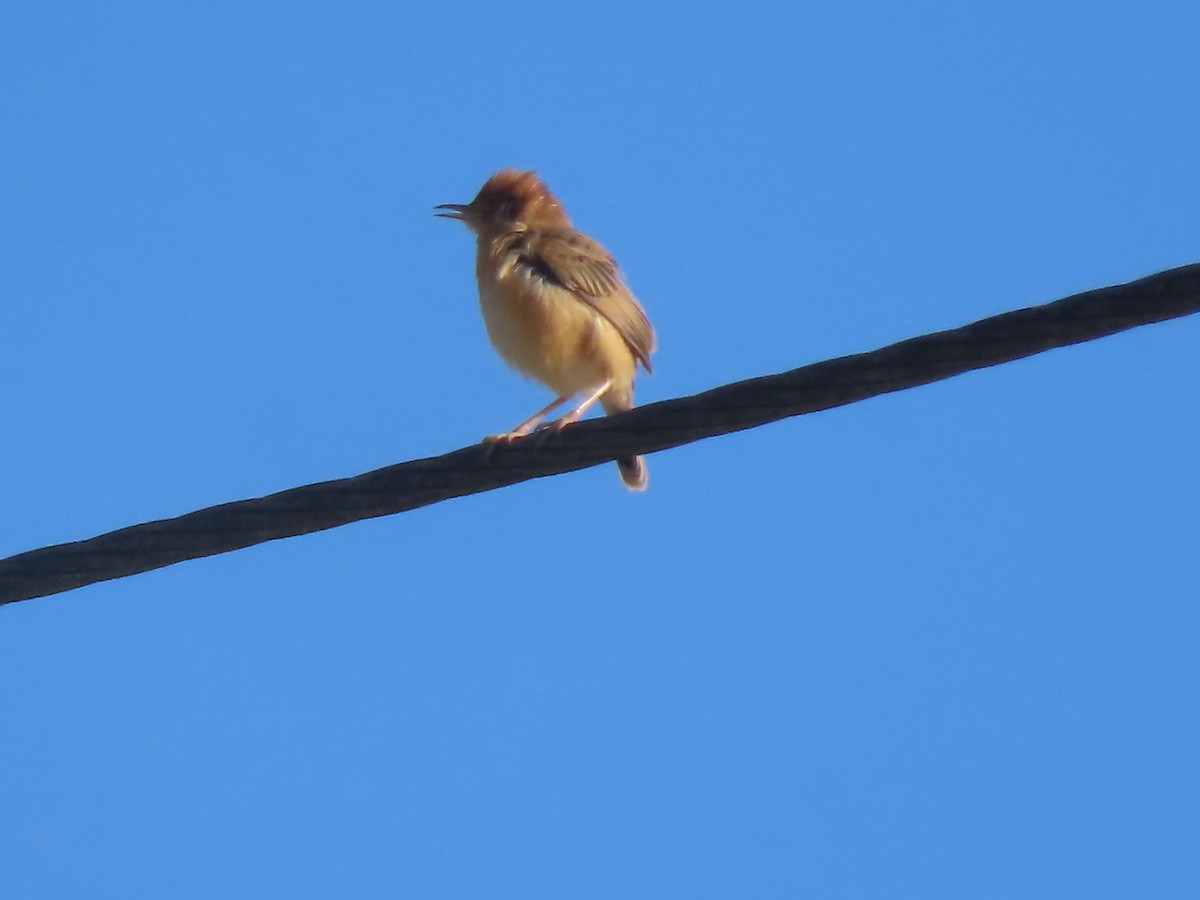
{"points": [[456, 210]]}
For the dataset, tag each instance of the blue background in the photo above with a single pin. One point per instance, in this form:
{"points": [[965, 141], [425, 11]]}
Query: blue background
{"points": [[940, 644]]}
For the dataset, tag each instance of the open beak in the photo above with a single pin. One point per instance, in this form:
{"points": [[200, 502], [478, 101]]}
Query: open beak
{"points": [[456, 210]]}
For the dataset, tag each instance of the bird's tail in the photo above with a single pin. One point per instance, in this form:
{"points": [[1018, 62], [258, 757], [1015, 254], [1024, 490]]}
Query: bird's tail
{"points": [[632, 468], [633, 472]]}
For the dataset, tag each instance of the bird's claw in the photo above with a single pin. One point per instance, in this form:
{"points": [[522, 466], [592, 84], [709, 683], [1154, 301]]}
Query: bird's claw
{"points": [[506, 437], [561, 422]]}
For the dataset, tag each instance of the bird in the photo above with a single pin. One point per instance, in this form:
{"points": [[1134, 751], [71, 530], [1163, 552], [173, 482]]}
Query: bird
{"points": [[555, 305]]}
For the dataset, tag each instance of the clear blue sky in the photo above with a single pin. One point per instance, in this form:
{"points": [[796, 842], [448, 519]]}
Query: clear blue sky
{"points": [[944, 643]]}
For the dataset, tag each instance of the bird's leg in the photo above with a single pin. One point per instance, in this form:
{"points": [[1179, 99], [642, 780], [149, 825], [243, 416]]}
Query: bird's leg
{"points": [[577, 413], [529, 424]]}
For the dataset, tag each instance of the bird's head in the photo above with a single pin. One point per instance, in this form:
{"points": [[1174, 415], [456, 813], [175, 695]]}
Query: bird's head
{"points": [[509, 201]]}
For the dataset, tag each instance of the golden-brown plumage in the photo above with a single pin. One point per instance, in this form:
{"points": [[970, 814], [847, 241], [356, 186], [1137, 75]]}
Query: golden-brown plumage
{"points": [[554, 304]]}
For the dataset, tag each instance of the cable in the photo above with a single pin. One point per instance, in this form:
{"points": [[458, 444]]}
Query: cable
{"points": [[646, 429]]}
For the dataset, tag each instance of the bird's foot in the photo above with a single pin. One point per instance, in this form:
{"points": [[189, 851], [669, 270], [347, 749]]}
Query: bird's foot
{"points": [[562, 421], [506, 437]]}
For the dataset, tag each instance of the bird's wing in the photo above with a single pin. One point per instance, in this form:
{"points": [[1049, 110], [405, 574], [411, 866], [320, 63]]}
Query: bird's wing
{"points": [[564, 257]]}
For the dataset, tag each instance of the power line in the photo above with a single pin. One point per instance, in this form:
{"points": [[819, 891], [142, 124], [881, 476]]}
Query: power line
{"points": [[646, 429]]}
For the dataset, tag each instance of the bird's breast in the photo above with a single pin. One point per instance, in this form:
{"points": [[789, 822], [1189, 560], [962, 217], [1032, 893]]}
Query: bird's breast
{"points": [[540, 328]]}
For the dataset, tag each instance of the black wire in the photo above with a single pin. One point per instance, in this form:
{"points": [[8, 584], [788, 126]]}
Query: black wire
{"points": [[646, 429]]}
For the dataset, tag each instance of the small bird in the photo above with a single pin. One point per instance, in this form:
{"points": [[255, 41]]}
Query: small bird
{"points": [[554, 304]]}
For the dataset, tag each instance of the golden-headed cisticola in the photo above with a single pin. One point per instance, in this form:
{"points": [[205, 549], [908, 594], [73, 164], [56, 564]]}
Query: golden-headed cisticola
{"points": [[554, 304]]}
